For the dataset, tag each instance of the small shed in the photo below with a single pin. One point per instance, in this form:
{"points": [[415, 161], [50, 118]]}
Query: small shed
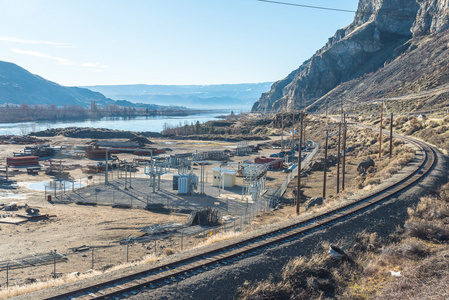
{"points": [[229, 177]]}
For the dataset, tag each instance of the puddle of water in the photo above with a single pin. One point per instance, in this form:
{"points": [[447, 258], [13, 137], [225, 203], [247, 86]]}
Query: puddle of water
{"points": [[58, 185], [5, 195]]}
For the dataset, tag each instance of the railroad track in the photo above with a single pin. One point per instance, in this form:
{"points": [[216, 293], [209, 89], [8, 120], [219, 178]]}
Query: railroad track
{"points": [[179, 270]]}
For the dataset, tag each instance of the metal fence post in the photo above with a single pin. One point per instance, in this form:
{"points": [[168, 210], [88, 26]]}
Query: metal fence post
{"points": [[92, 258], [127, 252], [7, 275], [54, 264], [182, 238]]}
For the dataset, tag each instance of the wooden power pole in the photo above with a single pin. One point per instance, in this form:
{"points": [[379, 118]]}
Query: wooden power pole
{"points": [[325, 164], [338, 158], [325, 158], [380, 128], [298, 189], [304, 133], [293, 126], [282, 126], [391, 135], [343, 171]]}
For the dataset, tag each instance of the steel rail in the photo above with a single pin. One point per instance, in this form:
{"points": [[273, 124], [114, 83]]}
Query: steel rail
{"points": [[169, 273]]}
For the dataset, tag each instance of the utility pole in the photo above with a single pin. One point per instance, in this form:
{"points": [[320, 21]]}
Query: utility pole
{"points": [[325, 158], [380, 128], [293, 125], [282, 126], [338, 158], [344, 153], [391, 135], [298, 189], [304, 133]]}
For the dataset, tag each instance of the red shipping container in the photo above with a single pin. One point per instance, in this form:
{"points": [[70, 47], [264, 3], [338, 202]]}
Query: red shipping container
{"points": [[22, 161], [275, 163]]}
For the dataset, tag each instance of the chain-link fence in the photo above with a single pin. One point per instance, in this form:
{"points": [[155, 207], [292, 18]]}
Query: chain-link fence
{"points": [[275, 197], [87, 259]]}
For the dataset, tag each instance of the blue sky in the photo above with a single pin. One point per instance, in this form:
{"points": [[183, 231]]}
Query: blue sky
{"points": [[92, 42]]}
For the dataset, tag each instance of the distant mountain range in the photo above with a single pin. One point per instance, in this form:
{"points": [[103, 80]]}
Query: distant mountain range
{"points": [[17, 85], [233, 96]]}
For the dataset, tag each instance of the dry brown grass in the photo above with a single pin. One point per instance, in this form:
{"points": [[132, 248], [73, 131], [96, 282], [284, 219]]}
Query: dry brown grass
{"points": [[217, 237], [316, 277], [419, 251], [304, 278], [432, 131], [17, 290], [385, 168]]}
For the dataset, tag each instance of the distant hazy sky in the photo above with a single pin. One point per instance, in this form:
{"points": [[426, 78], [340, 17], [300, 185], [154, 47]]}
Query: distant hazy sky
{"points": [[90, 42]]}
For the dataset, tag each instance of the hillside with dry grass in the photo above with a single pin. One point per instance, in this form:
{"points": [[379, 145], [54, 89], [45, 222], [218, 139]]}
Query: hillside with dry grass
{"points": [[410, 264], [429, 129]]}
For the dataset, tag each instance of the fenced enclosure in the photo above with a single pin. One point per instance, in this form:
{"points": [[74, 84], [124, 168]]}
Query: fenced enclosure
{"points": [[136, 192]]}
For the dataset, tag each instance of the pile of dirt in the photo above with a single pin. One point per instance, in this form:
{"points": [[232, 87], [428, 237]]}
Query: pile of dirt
{"points": [[141, 140], [20, 139], [86, 132], [219, 137]]}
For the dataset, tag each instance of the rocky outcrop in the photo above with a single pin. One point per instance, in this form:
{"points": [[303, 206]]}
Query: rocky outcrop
{"points": [[433, 17], [365, 165], [377, 35]]}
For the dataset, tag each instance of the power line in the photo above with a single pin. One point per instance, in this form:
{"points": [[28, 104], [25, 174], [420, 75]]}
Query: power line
{"points": [[349, 10], [310, 6]]}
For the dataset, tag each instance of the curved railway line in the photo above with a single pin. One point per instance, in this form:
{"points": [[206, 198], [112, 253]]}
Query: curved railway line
{"points": [[169, 273]]}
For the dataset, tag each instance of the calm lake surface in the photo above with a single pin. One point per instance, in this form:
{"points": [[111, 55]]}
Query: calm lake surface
{"points": [[143, 123]]}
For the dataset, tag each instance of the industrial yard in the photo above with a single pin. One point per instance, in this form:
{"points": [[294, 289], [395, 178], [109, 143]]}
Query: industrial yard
{"points": [[56, 199]]}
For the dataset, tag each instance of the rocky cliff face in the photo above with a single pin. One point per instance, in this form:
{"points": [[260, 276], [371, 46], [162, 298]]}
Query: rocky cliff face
{"points": [[377, 36]]}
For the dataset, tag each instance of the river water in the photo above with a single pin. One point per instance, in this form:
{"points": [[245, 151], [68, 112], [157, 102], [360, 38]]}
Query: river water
{"points": [[142, 123]]}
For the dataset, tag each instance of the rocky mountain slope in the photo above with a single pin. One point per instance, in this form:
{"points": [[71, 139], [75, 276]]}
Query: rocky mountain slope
{"points": [[17, 85], [392, 48]]}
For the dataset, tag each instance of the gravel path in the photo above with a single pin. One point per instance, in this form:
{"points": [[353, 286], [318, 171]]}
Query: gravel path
{"points": [[224, 282]]}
